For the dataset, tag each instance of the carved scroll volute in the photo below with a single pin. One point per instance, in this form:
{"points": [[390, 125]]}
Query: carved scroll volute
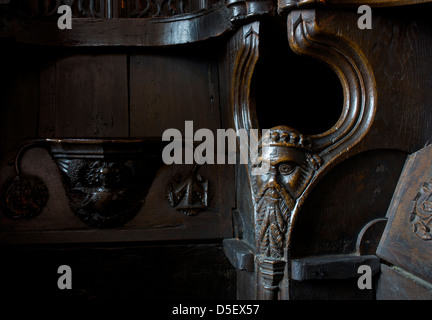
{"points": [[294, 162], [245, 61], [358, 82]]}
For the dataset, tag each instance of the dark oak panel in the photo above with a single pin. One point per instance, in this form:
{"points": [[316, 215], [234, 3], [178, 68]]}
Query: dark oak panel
{"points": [[166, 90], [91, 96], [19, 89], [329, 223]]}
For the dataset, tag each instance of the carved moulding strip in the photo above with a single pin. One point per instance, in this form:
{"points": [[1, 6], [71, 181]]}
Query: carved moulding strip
{"points": [[211, 21], [244, 9], [106, 180], [297, 160], [287, 5], [149, 8], [360, 97], [80, 8], [110, 8], [159, 31], [247, 56]]}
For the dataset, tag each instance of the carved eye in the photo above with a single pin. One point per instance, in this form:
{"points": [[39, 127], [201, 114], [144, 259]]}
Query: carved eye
{"points": [[286, 168]]}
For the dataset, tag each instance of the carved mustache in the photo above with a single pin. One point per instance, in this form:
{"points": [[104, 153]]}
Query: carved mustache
{"points": [[279, 194], [274, 186]]}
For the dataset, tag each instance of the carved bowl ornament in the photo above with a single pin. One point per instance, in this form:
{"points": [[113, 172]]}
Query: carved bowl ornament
{"points": [[106, 181], [421, 215], [102, 193]]}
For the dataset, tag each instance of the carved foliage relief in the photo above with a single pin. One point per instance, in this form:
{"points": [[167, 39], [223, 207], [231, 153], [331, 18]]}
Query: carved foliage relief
{"points": [[421, 215], [103, 193]]}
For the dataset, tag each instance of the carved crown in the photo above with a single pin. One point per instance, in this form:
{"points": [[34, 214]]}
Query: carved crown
{"points": [[286, 137]]}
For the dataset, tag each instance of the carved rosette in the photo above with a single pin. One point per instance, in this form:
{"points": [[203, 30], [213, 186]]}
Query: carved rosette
{"points": [[421, 215], [24, 196]]}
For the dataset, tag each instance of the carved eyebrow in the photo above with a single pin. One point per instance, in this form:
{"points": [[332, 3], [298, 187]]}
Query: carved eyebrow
{"points": [[290, 160]]}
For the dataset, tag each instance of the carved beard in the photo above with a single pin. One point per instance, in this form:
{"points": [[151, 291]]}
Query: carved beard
{"points": [[274, 205], [273, 214]]}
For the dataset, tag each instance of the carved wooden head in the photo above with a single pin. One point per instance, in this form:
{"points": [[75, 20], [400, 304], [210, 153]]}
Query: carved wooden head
{"points": [[284, 162], [284, 166]]}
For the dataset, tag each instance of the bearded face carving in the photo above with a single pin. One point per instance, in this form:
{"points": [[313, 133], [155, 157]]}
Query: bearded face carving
{"points": [[283, 168]]}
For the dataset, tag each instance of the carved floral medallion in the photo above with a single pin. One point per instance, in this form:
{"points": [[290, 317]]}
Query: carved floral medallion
{"points": [[421, 215]]}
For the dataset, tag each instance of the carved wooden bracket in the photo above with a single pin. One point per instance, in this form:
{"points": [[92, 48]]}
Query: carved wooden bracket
{"points": [[295, 162], [357, 80]]}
